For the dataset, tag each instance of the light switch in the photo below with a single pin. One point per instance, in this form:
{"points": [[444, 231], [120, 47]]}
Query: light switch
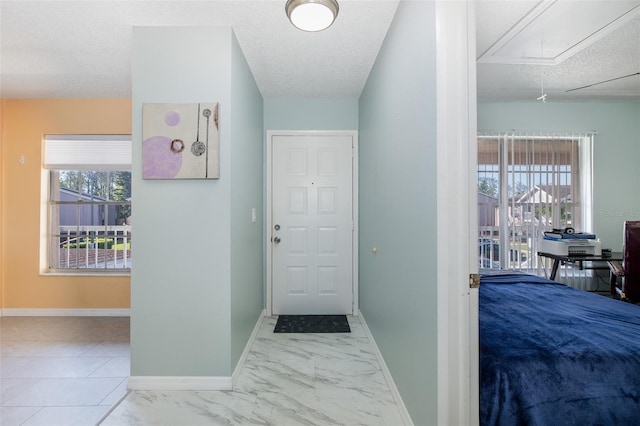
{"points": [[253, 215]]}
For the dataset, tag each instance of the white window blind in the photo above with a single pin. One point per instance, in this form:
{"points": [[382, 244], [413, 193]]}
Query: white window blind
{"points": [[528, 184], [87, 152]]}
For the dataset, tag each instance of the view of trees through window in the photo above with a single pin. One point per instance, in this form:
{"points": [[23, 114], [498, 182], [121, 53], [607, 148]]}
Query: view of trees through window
{"points": [[91, 185], [90, 218]]}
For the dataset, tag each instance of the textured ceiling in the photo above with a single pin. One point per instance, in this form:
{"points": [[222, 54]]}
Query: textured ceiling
{"points": [[82, 48], [615, 54]]}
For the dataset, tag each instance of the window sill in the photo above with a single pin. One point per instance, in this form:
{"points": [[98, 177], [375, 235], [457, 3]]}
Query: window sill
{"points": [[83, 273]]}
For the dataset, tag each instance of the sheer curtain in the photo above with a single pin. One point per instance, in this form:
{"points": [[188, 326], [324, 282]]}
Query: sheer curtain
{"points": [[529, 183]]}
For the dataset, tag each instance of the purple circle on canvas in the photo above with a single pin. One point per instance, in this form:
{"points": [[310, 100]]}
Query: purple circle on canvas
{"points": [[158, 161], [172, 118]]}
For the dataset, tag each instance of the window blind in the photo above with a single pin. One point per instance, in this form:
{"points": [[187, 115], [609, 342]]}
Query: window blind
{"points": [[528, 184], [87, 152]]}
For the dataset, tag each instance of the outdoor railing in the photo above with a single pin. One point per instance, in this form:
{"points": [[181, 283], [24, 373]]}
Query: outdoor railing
{"points": [[93, 247], [523, 241]]}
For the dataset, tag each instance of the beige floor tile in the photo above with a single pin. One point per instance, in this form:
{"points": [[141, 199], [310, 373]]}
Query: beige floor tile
{"points": [[115, 367], [67, 416], [65, 392], [14, 416], [9, 388], [62, 370], [50, 368]]}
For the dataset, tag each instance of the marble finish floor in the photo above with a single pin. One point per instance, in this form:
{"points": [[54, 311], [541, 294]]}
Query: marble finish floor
{"points": [[61, 370], [287, 379]]}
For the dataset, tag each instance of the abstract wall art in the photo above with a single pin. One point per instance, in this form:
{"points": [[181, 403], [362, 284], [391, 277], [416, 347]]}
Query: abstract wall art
{"points": [[180, 141]]}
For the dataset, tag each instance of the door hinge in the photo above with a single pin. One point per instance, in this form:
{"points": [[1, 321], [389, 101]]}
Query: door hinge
{"points": [[474, 280]]}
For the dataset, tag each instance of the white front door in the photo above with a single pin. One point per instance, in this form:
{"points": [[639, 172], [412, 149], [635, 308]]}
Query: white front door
{"points": [[312, 224]]}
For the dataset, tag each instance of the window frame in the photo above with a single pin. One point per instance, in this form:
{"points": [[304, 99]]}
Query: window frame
{"points": [[74, 153], [584, 184]]}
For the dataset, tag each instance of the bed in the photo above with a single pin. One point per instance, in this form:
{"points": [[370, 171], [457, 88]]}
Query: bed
{"points": [[551, 354]]}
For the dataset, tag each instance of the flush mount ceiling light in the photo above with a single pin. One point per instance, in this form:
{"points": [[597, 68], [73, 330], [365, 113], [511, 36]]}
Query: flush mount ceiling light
{"points": [[312, 15]]}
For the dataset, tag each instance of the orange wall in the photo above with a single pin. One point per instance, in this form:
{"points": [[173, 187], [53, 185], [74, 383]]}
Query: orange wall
{"points": [[25, 122], [1, 204]]}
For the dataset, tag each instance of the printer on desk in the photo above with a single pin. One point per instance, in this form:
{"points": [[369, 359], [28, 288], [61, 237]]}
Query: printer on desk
{"points": [[570, 244]]}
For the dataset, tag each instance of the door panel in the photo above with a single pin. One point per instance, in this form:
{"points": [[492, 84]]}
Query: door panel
{"points": [[312, 224]]}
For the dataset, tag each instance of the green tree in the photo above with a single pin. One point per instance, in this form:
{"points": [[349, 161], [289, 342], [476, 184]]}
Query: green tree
{"points": [[488, 186], [110, 186], [122, 192], [95, 184], [70, 179]]}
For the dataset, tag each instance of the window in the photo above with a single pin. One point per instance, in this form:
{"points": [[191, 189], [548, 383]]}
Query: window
{"points": [[528, 184], [88, 188]]}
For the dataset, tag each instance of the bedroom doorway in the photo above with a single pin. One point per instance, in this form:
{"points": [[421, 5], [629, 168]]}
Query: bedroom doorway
{"points": [[311, 237]]}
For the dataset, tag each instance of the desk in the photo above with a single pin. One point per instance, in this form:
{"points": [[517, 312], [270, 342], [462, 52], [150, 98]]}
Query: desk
{"points": [[580, 261]]}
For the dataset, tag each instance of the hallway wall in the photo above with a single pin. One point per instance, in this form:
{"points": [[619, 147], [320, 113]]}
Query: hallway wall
{"points": [[398, 207], [182, 312], [311, 114], [247, 163]]}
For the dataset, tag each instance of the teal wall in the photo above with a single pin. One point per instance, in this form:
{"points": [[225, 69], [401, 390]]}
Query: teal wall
{"points": [[313, 114], [247, 163], [181, 308], [616, 157], [397, 143]]}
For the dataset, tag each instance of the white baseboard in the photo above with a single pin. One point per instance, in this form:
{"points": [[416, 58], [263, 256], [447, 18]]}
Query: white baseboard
{"points": [[79, 312], [179, 383], [247, 348], [406, 418]]}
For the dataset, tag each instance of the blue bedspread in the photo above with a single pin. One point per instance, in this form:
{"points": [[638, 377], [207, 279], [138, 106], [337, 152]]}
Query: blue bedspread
{"points": [[554, 355]]}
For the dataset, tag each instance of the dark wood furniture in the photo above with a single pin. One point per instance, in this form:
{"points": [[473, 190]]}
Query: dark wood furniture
{"points": [[627, 268]]}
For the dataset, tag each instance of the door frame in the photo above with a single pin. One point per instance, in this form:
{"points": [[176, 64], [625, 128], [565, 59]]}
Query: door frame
{"points": [[354, 194], [458, 361]]}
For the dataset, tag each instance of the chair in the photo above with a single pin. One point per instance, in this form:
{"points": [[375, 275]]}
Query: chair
{"points": [[628, 288]]}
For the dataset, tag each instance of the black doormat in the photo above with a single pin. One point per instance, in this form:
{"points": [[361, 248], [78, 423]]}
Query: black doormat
{"points": [[312, 324]]}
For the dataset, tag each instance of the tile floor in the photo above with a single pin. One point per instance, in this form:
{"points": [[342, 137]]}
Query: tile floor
{"points": [[287, 379], [72, 370], [61, 370]]}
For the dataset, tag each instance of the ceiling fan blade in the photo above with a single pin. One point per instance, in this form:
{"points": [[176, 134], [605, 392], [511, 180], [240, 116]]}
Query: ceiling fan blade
{"points": [[602, 82]]}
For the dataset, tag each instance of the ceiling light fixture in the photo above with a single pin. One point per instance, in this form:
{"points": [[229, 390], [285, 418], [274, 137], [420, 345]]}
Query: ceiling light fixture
{"points": [[312, 15]]}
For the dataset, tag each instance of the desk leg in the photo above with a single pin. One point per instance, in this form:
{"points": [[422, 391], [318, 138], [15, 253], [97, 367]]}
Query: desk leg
{"points": [[554, 269]]}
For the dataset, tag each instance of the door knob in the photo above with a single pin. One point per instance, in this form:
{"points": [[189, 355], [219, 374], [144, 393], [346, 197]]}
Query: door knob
{"points": [[277, 240]]}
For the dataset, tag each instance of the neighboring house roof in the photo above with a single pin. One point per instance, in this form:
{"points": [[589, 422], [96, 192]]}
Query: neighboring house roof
{"points": [[562, 191], [82, 195], [543, 194]]}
